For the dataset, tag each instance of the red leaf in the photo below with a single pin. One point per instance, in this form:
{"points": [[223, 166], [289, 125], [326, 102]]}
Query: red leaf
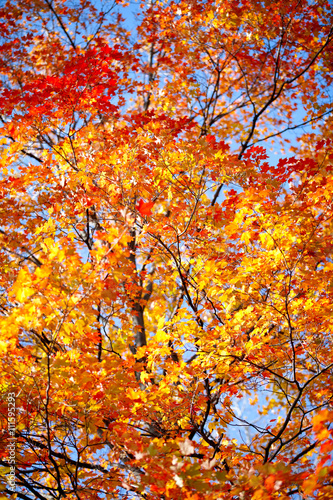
{"points": [[145, 208]]}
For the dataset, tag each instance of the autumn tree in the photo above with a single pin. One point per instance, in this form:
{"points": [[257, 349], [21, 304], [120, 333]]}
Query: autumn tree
{"points": [[166, 286]]}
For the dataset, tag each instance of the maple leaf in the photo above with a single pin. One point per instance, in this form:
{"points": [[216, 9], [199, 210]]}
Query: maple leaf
{"points": [[145, 208]]}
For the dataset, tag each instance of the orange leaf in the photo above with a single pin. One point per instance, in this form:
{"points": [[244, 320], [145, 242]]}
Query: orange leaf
{"points": [[145, 208]]}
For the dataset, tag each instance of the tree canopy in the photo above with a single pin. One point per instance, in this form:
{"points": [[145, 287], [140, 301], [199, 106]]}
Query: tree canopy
{"points": [[166, 286]]}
